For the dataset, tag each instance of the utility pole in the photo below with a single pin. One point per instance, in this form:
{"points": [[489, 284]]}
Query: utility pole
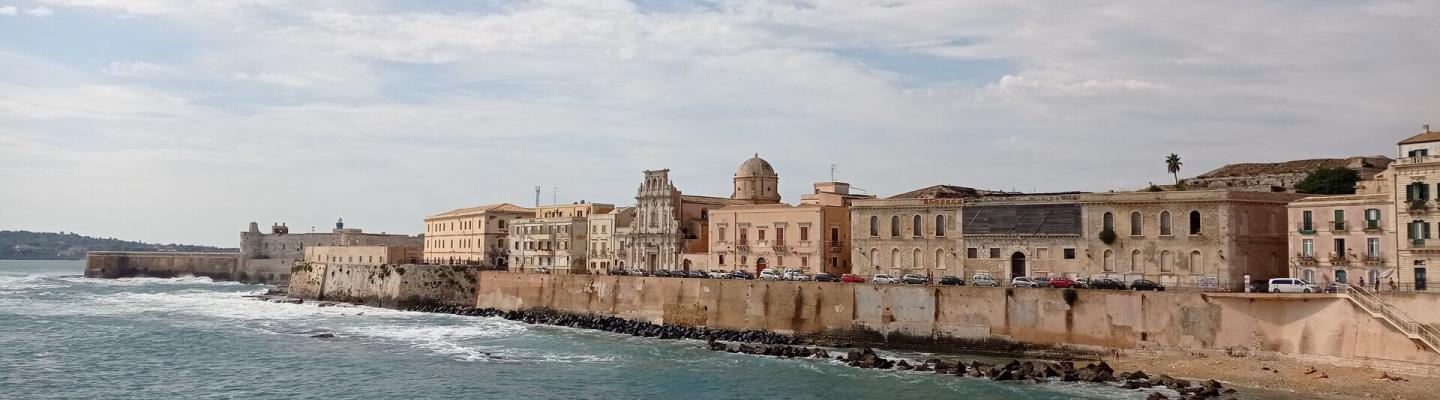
{"points": [[537, 197]]}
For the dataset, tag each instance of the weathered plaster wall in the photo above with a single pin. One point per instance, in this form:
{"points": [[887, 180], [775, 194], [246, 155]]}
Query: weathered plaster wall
{"points": [[1313, 325]]}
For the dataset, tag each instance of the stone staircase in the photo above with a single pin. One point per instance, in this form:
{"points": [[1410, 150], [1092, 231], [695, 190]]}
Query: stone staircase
{"points": [[1378, 308]]}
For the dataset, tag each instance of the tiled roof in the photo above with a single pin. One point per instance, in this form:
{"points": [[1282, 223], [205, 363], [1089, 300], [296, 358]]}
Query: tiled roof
{"points": [[1022, 219], [938, 192], [485, 208], [1424, 137]]}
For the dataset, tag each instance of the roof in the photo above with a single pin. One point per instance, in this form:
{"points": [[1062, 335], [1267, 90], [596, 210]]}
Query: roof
{"points": [[710, 200], [1022, 219], [755, 166], [501, 207], [938, 192], [1424, 137], [1293, 167]]}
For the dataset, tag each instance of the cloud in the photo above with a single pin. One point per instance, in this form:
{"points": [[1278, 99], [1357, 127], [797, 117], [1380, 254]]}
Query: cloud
{"points": [[41, 11], [9, 10]]}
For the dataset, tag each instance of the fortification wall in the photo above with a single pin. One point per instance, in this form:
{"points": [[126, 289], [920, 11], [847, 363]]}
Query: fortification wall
{"points": [[217, 266], [385, 285], [962, 318]]}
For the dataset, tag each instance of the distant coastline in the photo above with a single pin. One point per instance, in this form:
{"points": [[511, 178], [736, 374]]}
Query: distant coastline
{"points": [[26, 245]]}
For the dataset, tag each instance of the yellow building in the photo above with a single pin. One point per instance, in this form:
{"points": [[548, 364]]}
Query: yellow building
{"points": [[472, 236], [554, 239], [362, 255]]}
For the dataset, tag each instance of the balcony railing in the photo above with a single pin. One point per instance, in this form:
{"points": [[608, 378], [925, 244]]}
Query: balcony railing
{"points": [[1417, 160], [1373, 260], [1305, 228], [1372, 225], [1417, 206], [1337, 226], [1305, 260]]}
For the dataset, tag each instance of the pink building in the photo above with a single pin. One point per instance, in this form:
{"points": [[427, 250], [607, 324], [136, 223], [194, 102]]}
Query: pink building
{"points": [[1345, 238]]}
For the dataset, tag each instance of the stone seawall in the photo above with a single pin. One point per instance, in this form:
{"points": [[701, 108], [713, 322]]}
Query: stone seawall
{"points": [[978, 319], [394, 286], [217, 266]]}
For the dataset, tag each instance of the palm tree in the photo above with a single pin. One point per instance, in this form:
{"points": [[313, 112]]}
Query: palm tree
{"points": [[1173, 164]]}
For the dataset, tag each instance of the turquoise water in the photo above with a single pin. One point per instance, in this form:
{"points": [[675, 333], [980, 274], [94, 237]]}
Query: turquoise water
{"points": [[63, 336]]}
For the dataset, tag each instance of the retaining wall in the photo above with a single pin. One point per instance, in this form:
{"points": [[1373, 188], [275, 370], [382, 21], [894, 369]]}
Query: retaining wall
{"points": [[396, 286], [217, 266]]}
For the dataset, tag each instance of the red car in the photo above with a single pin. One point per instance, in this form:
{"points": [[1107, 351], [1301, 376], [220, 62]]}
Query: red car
{"points": [[851, 278], [1061, 282]]}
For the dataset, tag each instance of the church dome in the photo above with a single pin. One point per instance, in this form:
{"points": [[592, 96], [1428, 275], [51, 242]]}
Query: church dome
{"points": [[755, 166]]}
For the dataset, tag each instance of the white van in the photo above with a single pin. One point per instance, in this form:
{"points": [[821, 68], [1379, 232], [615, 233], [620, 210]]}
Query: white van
{"points": [[1291, 285]]}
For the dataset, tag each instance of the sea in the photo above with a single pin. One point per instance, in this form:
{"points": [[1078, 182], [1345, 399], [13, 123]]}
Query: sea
{"points": [[63, 336]]}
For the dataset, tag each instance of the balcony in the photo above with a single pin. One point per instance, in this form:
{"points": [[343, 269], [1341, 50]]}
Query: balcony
{"points": [[1372, 225], [743, 248], [1417, 160], [1372, 260], [779, 248], [1305, 260], [1340, 259], [1305, 228], [1337, 226], [1417, 206]]}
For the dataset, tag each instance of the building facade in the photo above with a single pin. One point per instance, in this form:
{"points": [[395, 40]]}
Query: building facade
{"points": [[280, 248], [372, 255], [1417, 188], [1346, 238], [900, 236], [669, 228], [472, 236], [555, 239], [1205, 239], [1010, 235], [603, 250], [812, 237]]}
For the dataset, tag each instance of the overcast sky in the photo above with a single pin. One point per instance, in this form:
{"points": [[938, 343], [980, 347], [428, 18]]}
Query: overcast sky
{"points": [[181, 121]]}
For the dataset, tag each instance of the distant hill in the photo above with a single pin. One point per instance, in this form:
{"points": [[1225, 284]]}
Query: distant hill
{"points": [[25, 245]]}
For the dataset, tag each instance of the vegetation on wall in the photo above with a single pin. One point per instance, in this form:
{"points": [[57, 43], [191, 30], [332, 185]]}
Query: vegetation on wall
{"points": [[1108, 236], [1329, 180], [26, 245]]}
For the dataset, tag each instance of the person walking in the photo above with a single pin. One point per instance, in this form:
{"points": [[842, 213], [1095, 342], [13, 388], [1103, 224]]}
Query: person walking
{"points": [[1362, 281], [1393, 287]]}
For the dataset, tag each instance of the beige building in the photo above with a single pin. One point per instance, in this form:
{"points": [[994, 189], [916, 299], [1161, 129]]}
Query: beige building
{"points": [[472, 236], [1418, 173], [1205, 238], [812, 237], [374, 255], [279, 249], [1345, 238], [603, 251], [555, 238], [1010, 235], [906, 236]]}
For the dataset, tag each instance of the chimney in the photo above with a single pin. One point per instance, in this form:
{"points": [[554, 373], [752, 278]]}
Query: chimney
{"points": [[1427, 128]]}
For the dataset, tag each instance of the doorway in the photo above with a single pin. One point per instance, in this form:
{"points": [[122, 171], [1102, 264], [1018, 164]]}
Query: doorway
{"points": [[687, 266], [759, 265], [1420, 279], [651, 260], [1017, 265], [1341, 276]]}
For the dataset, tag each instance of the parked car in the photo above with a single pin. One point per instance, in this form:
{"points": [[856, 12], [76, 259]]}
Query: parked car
{"points": [[1041, 281], [742, 275], [660, 273], [718, 274], [637, 272], [1335, 287], [1146, 284], [1021, 281], [883, 278], [824, 277], [1291, 285], [769, 275], [542, 270], [852, 278], [699, 274], [948, 280], [796, 276], [914, 279], [1108, 284], [1259, 286], [984, 280], [1061, 282], [1081, 283]]}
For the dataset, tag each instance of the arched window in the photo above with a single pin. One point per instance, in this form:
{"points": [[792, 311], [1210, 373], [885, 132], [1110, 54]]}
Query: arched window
{"points": [[1194, 222], [1137, 264], [874, 254], [704, 213], [1109, 261], [1165, 223], [939, 258], [1167, 261], [940, 225], [1197, 265], [918, 227], [1136, 224], [1108, 221], [894, 257], [895, 226], [874, 225], [915, 259]]}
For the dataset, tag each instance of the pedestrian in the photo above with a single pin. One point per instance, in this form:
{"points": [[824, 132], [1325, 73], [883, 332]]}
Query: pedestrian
{"points": [[1393, 287], [1362, 281]]}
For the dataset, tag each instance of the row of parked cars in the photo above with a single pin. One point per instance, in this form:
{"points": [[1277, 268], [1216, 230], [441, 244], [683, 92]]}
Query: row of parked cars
{"points": [[796, 275]]}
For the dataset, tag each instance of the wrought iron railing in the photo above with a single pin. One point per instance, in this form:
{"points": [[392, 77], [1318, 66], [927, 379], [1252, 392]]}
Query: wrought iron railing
{"points": [[1407, 324]]}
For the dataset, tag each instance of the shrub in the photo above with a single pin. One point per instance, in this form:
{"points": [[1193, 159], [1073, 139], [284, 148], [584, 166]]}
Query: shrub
{"points": [[1108, 236]]}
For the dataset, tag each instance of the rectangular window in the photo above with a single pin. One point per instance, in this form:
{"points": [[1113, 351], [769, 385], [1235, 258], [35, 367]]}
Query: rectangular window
{"points": [[1372, 246], [1340, 248], [834, 234], [779, 235], [1069, 254], [994, 252], [760, 234], [972, 253], [744, 236], [1307, 247], [722, 259], [804, 261], [1306, 221], [722, 233], [804, 233], [1339, 220]]}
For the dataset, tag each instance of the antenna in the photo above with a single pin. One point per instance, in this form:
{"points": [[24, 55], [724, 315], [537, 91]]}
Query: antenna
{"points": [[537, 196], [554, 195], [832, 171]]}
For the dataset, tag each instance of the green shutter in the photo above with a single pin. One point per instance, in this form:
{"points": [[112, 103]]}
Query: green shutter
{"points": [[1409, 192], [1410, 230], [1426, 225]]}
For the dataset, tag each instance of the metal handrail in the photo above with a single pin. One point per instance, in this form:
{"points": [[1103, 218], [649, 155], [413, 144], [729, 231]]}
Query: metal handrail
{"points": [[1406, 323]]}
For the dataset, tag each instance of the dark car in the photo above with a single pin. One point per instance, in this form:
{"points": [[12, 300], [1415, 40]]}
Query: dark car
{"points": [[1107, 284], [741, 275], [699, 274], [662, 273], [1145, 284], [824, 277], [1081, 283], [951, 281]]}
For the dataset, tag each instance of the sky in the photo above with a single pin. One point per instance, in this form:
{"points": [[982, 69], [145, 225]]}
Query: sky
{"points": [[182, 121]]}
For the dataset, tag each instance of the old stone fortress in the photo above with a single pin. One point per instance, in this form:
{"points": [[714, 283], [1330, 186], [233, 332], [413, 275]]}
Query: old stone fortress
{"points": [[1239, 220]]}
